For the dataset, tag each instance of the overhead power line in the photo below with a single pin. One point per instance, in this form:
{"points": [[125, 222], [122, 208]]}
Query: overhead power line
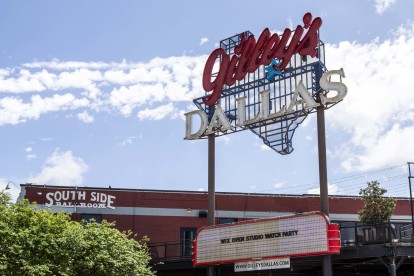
{"points": [[352, 188]]}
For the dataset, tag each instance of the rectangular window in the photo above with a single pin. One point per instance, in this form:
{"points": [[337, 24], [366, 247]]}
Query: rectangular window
{"points": [[227, 220], [88, 217], [187, 236]]}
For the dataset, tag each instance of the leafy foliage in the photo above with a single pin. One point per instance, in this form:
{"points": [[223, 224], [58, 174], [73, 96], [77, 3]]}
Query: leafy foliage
{"points": [[41, 242], [377, 208]]}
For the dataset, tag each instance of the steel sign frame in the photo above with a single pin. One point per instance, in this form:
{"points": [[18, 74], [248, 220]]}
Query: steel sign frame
{"points": [[276, 96]]}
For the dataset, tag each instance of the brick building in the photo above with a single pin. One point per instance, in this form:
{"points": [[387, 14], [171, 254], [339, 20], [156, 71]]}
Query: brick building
{"points": [[171, 220]]}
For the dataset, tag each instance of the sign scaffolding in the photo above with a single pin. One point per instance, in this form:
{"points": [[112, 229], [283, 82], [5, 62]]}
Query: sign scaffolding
{"points": [[269, 86], [266, 88]]}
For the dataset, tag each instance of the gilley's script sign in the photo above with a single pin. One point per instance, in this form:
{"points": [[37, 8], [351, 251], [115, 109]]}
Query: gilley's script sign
{"points": [[273, 82]]}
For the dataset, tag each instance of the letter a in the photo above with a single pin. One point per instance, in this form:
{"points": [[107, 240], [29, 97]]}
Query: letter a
{"points": [[306, 96], [219, 120]]}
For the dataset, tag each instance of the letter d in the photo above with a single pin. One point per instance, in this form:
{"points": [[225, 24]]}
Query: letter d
{"points": [[189, 124]]}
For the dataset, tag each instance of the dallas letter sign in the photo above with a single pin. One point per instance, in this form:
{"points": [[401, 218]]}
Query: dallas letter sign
{"points": [[291, 236], [268, 85]]}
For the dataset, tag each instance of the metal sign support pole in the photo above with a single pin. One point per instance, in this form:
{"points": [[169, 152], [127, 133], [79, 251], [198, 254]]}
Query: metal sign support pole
{"points": [[323, 179], [211, 189], [411, 200]]}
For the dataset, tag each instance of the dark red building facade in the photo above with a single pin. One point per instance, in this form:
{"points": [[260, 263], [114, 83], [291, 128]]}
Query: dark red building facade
{"points": [[171, 219]]}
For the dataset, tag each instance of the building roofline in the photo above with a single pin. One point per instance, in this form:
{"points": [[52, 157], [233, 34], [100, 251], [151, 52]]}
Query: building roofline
{"points": [[190, 192]]}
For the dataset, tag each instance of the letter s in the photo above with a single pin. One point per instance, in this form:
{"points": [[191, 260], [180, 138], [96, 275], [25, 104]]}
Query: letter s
{"points": [[49, 198], [93, 196], [332, 85]]}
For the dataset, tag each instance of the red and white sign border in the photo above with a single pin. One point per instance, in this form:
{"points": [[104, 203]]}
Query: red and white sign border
{"points": [[332, 236]]}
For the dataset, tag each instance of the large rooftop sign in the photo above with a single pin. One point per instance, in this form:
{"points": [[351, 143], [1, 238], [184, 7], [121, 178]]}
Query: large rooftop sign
{"points": [[268, 85], [291, 236]]}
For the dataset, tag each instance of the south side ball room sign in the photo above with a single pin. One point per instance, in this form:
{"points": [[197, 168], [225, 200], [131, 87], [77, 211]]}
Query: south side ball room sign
{"points": [[267, 85], [304, 234]]}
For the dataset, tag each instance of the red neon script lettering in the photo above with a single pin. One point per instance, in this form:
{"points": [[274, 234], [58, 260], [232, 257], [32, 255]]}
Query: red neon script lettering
{"points": [[250, 54]]}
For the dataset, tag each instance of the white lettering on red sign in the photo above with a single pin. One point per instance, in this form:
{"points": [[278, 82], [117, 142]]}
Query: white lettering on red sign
{"points": [[80, 199]]}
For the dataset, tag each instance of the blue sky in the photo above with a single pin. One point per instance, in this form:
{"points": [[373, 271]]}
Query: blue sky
{"points": [[92, 94]]}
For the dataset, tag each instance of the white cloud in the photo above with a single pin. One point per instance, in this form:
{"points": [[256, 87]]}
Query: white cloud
{"points": [[279, 184], [333, 189], [29, 149], [290, 22], [252, 188], [61, 168], [121, 87], [389, 149], [31, 156], [126, 99], [55, 64], [224, 139], [157, 113], [382, 5], [264, 147], [203, 40], [14, 110], [85, 117], [128, 140], [26, 81], [375, 119], [378, 112]]}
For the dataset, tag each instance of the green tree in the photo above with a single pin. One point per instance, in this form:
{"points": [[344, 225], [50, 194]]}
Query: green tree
{"points": [[41, 242], [377, 208]]}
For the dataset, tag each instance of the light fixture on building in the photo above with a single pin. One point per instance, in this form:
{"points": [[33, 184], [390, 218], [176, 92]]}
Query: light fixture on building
{"points": [[189, 210], [8, 185]]}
